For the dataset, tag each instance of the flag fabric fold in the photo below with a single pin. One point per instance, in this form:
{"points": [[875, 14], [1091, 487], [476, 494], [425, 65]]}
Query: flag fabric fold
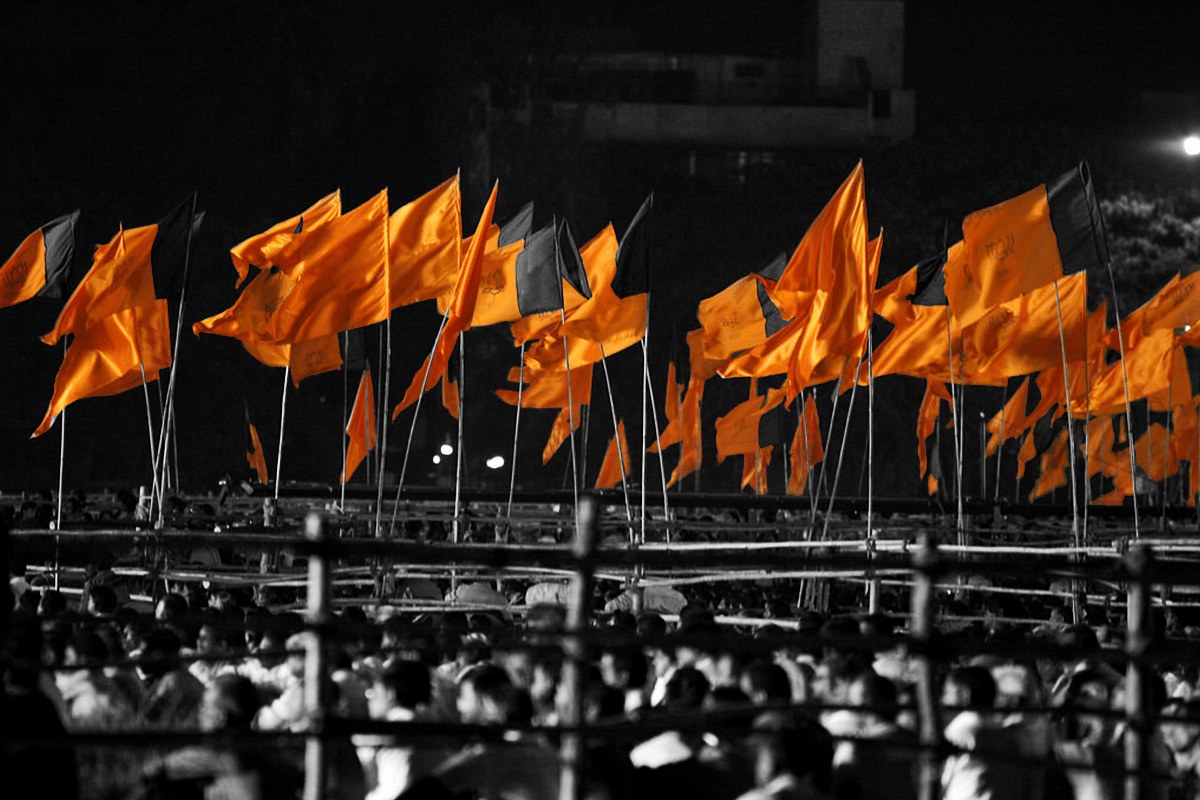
{"points": [[261, 249], [615, 468], [254, 451]]}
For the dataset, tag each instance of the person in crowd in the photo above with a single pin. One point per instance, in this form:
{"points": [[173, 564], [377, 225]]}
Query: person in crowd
{"points": [[878, 757], [399, 694], [172, 695], [792, 761], [986, 764]]}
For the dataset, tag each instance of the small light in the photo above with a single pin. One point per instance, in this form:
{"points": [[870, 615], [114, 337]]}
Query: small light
{"points": [[495, 462], [437, 459], [447, 450], [1191, 145]]}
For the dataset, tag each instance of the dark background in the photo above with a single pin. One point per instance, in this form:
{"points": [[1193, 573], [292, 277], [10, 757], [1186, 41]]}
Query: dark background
{"points": [[122, 110]]}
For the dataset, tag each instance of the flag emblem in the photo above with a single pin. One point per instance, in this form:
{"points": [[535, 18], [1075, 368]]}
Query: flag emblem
{"points": [[492, 282], [17, 275], [1001, 249]]}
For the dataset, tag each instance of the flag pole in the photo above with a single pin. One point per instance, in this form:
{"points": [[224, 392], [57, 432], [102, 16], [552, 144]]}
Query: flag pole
{"points": [[341, 434], [954, 415], [616, 438], [382, 422], [1000, 442], [662, 468], [808, 483], [62, 460], [874, 586], [645, 391], [575, 477], [512, 479], [153, 453], [187, 259], [837, 395], [416, 412], [1076, 610], [1162, 521], [1112, 282], [458, 467], [287, 373], [842, 450]]}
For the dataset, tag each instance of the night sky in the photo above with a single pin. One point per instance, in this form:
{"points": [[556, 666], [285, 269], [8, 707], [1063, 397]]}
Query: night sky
{"points": [[122, 110]]}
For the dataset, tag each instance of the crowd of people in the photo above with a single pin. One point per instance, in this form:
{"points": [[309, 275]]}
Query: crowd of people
{"points": [[800, 705]]}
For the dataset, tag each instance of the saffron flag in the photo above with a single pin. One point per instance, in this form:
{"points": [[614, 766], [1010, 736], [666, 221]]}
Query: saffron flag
{"points": [[1026, 242], [1010, 422], [1176, 305], [615, 316], [1055, 462], [738, 431], [1098, 444], [740, 316], [1026, 454], [931, 407], [891, 301], [673, 408], [1154, 453], [459, 311], [425, 245], [584, 267], [520, 279], [261, 249], [254, 451], [341, 274], [616, 460], [40, 264], [361, 426], [754, 469], [807, 449], [313, 357], [137, 267], [107, 357]]}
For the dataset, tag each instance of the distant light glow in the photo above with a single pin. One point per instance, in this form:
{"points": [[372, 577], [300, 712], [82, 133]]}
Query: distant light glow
{"points": [[437, 459], [447, 449], [1191, 145], [495, 462]]}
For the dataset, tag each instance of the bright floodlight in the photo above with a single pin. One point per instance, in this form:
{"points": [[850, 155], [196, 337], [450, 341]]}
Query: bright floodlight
{"points": [[447, 449], [495, 462], [437, 459], [1191, 145]]}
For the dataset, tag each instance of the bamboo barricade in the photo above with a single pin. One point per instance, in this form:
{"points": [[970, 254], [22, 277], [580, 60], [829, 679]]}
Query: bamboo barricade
{"points": [[926, 564]]}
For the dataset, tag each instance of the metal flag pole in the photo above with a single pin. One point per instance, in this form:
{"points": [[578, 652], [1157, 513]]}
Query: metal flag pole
{"points": [[837, 395], [382, 422], [1128, 406], [62, 460], [512, 479], [413, 427], [662, 468], [287, 374], [954, 406], [1076, 610], [153, 452], [808, 466], [168, 422], [873, 587], [841, 451], [616, 438], [1162, 521], [345, 416], [1000, 442], [458, 467]]}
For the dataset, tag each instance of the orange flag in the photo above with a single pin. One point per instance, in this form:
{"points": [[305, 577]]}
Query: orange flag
{"points": [[597, 261], [459, 311], [425, 245], [548, 389], [1154, 455], [361, 427], [807, 449], [891, 300], [615, 468], [754, 469], [691, 443], [1010, 420], [1176, 305], [254, 452], [931, 407], [1055, 462], [738, 431], [138, 266], [341, 273], [1151, 366], [1026, 242], [39, 266], [615, 316], [107, 357], [1022, 336], [740, 316], [673, 403], [1098, 443], [314, 357], [1027, 453], [262, 249]]}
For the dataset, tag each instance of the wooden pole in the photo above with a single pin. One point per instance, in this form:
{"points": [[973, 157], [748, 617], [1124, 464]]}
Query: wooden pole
{"points": [[575, 653], [316, 663], [925, 563], [1138, 674]]}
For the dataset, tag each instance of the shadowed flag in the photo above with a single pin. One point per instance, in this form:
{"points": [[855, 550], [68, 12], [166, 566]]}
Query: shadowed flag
{"points": [[254, 451], [39, 267], [361, 426], [615, 467]]}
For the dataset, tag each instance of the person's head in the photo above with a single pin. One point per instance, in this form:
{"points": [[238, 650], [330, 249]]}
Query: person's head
{"points": [[161, 652], [403, 684], [651, 625], [86, 649], [216, 637], [792, 747], [102, 601], [873, 694], [52, 605], [482, 695], [969, 688], [764, 683], [624, 668], [686, 689], [171, 607], [230, 704]]}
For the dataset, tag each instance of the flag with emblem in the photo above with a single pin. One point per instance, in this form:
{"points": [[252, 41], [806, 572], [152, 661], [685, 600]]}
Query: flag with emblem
{"points": [[261, 249], [39, 267]]}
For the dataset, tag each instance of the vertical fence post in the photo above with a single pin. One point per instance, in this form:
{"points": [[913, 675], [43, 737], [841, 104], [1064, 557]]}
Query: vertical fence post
{"points": [[1138, 563], [315, 660], [575, 651], [925, 563]]}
